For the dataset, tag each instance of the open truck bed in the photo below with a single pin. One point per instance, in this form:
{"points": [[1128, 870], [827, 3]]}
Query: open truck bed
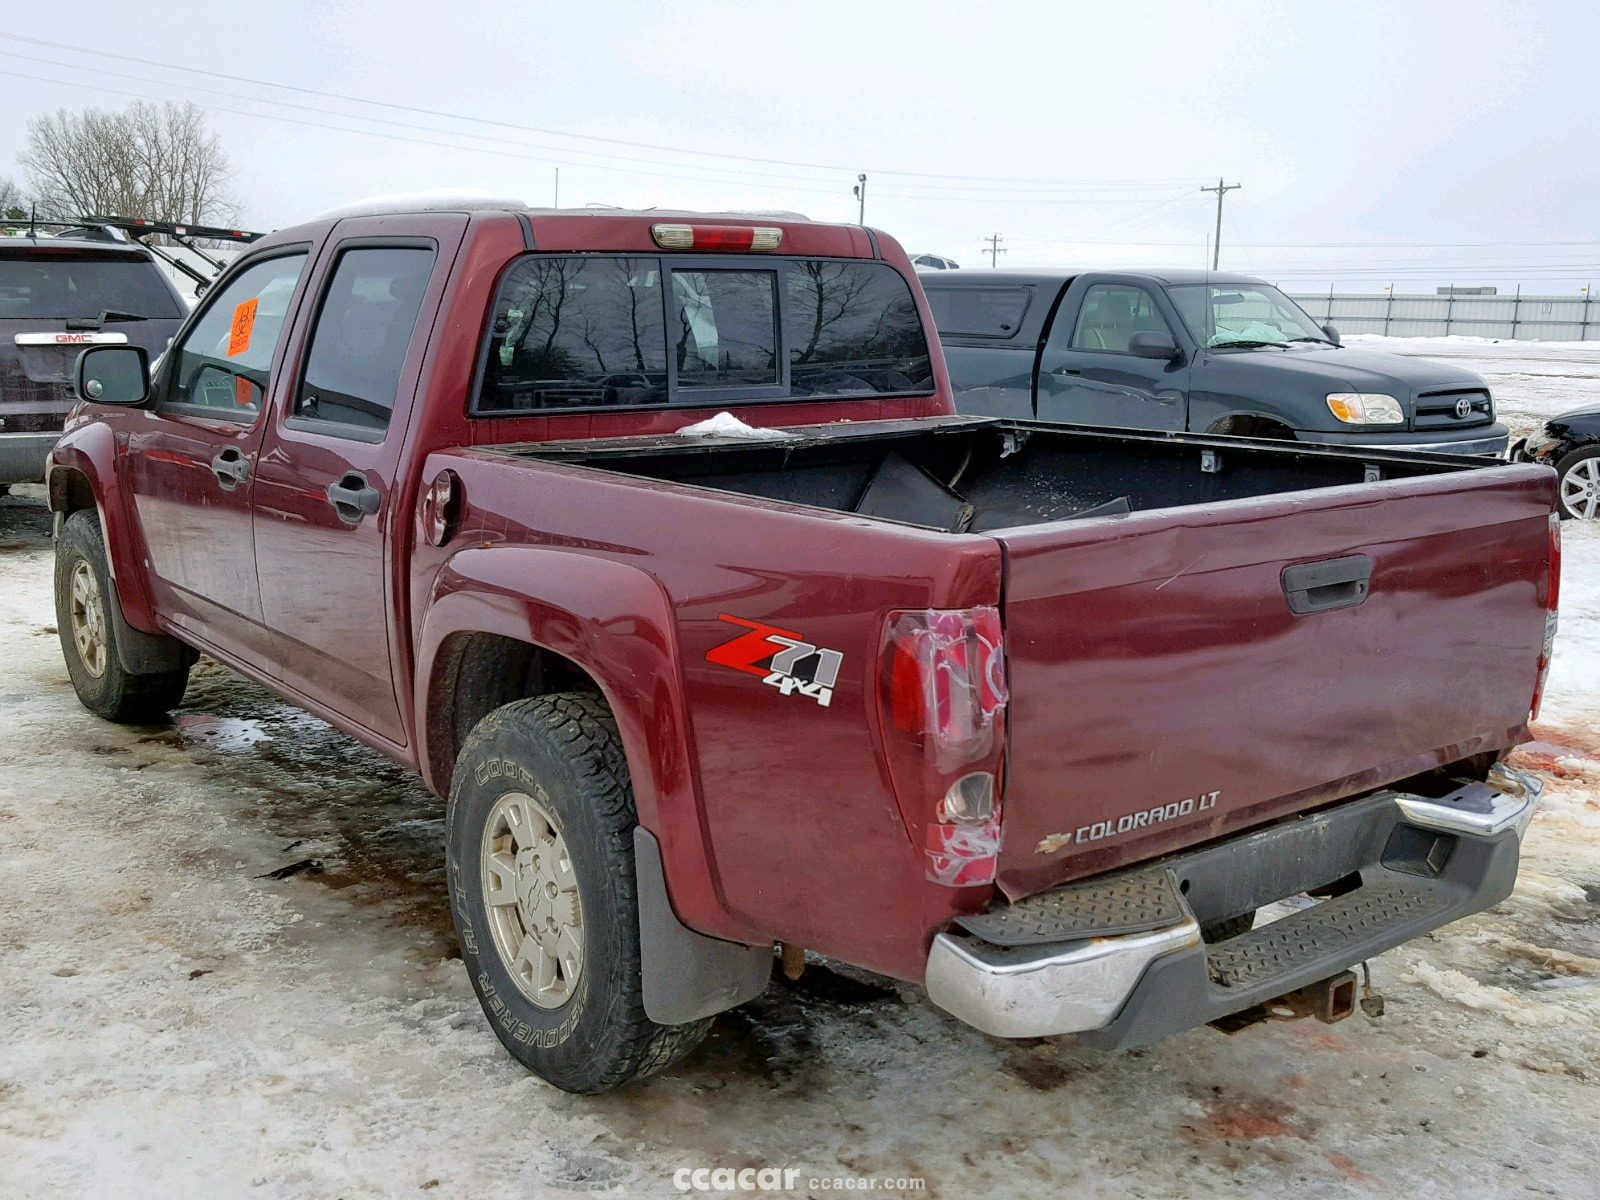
{"points": [[1204, 637]]}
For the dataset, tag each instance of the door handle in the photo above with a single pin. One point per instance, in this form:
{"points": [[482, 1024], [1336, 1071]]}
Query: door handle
{"points": [[231, 468], [1067, 371], [1327, 585], [353, 498]]}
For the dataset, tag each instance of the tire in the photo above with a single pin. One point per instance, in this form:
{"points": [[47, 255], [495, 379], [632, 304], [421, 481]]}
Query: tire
{"points": [[1578, 484], [570, 1006], [1232, 927], [87, 623]]}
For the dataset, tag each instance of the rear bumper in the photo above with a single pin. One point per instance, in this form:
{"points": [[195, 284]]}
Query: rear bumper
{"points": [[1489, 440], [23, 456], [1422, 863]]}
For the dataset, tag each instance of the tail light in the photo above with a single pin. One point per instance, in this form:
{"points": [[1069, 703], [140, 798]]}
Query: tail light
{"points": [[716, 237], [943, 698], [1552, 602]]}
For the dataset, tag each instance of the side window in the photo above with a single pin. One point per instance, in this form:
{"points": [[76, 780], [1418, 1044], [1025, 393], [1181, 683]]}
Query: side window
{"points": [[222, 364], [724, 332], [1112, 313], [994, 312], [363, 330], [575, 332]]}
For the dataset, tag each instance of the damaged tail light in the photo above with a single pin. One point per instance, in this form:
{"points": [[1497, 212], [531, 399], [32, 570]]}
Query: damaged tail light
{"points": [[944, 697], [1552, 602]]}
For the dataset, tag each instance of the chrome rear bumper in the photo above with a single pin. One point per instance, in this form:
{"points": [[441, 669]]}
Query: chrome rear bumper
{"points": [[1092, 983]]}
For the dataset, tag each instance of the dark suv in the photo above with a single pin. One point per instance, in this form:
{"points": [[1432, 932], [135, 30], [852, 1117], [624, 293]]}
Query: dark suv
{"points": [[60, 292], [1191, 351]]}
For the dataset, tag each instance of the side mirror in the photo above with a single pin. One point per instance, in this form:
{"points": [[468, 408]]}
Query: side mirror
{"points": [[1332, 334], [1152, 344], [113, 375]]}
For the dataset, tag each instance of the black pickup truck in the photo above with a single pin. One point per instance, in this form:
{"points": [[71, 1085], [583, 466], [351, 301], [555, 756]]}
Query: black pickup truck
{"points": [[1191, 351]]}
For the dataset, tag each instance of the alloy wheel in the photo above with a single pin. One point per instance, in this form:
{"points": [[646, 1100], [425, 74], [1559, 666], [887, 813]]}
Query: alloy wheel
{"points": [[531, 892]]}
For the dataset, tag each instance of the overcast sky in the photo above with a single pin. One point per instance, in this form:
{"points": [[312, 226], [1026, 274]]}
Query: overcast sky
{"points": [[1414, 143]]}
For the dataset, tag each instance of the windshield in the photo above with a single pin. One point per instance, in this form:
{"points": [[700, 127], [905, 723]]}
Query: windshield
{"points": [[1243, 314], [58, 284]]}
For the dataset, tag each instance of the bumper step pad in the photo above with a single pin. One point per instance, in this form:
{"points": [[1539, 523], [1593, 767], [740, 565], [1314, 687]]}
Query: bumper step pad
{"points": [[1133, 902], [1281, 948]]}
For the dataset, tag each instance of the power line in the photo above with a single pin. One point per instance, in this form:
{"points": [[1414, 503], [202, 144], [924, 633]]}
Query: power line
{"points": [[232, 77]]}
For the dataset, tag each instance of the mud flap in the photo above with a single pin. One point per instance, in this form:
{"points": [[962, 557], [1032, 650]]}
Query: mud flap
{"points": [[686, 974]]}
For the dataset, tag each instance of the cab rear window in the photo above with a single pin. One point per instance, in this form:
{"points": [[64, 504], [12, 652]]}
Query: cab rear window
{"points": [[610, 331], [51, 285]]}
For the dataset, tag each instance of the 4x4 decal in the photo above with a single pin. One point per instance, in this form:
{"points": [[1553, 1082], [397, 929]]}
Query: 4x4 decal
{"points": [[791, 664]]}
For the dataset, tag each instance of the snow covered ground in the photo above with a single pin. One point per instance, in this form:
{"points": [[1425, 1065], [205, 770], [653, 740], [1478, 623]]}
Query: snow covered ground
{"points": [[175, 1022]]}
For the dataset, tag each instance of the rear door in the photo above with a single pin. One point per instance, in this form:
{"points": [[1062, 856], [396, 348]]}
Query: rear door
{"points": [[1087, 376], [1164, 691], [326, 506], [191, 465]]}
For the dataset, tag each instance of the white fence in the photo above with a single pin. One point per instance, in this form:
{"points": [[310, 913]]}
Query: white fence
{"points": [[1544, 318]]}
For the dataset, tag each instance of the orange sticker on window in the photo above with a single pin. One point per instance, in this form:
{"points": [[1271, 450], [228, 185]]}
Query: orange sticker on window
{"points": [[244, 392], [244, 320]]}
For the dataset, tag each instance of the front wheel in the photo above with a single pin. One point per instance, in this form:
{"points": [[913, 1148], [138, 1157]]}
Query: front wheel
{"points": [[1578, 484], [542, 885], [86, 622]]}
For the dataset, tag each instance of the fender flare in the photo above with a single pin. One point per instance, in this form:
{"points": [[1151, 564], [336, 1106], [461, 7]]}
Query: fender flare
{"points": [[1275, 418], [91, 451], [615, 622]]}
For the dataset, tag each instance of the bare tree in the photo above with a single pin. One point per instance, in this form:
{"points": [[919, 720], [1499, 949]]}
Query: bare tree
{"points": [[157, 161], [13, 203]]}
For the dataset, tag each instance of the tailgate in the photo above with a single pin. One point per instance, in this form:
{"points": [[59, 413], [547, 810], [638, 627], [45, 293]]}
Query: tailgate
{"points": [[1163, 692]]}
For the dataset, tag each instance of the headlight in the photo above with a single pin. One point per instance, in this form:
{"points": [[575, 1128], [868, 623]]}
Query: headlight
{"points": [[1366, 408]]}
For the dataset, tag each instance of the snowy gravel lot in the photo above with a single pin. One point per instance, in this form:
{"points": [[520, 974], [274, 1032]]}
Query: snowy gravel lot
{"points": [[176, 1022]]}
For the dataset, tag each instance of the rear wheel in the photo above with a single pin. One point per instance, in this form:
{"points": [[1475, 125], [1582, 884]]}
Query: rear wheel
{"points": [[542, 885], [1578, 484], [87, 625]]}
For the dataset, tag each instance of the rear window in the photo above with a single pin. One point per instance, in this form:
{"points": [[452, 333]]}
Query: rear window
{"points": [[601, 331], [55, 284], [979, 312]]}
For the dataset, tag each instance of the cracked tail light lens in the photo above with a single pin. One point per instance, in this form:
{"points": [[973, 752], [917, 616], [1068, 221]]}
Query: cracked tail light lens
{"points": [[716, 237], [943, 700], [1552, 602]]}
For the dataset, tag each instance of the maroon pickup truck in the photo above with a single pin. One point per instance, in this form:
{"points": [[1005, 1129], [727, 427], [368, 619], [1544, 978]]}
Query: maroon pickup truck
{"points": [[1038, 717]]}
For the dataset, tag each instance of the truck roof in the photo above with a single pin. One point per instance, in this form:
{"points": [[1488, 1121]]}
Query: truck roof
{"points": [[1170, 276]]}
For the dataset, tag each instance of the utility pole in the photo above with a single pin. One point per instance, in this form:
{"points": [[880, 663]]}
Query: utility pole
{"points": [[556, 203], [861, 195], [994, 251], [1221, 190]]}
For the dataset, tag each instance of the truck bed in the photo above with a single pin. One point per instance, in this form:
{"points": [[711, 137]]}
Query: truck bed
{"points": [[1176, 675], [1009, 474]]}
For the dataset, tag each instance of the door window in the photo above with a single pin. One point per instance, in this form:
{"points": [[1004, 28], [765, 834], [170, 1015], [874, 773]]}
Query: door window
{"points": [[222, 364], [363, 330], [1112, 313]]}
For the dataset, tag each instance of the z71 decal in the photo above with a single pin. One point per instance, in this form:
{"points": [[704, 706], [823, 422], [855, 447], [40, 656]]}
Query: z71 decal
{"points": [[780, 657]]}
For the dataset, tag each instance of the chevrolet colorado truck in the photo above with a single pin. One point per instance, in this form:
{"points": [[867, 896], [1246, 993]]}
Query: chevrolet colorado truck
{"points": [[1192, 350], [652, 541]]}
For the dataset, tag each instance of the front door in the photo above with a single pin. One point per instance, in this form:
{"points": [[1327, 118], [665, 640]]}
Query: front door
{"points": [[324, 500], [1087, 376], [191, 460]]}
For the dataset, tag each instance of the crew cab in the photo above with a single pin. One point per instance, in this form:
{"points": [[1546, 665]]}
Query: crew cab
{"points": [[652, 541], [1192, 350]]}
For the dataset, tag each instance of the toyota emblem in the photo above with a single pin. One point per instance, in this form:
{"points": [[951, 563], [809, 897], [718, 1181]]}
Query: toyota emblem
{"points": [[1463, 408]]}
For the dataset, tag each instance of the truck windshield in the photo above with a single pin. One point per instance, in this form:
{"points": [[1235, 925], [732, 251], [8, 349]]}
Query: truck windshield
{"points": [[602, 331], [56, 284], [1243, 314]]}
